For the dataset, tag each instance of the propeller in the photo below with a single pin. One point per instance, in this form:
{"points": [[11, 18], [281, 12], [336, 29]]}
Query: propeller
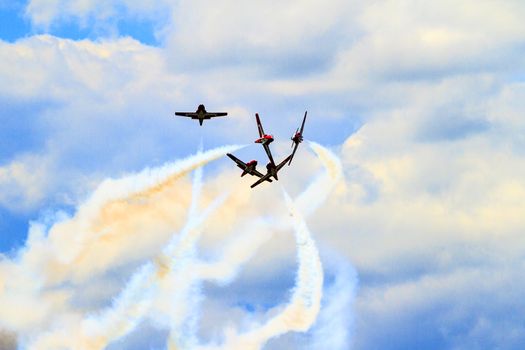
{"points": [[293, 141]]}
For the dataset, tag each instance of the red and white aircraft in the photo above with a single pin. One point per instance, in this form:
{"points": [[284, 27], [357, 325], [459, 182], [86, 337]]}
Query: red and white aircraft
{"points": [[264, 139], [271, 170], [248, 168], [297, 138]]}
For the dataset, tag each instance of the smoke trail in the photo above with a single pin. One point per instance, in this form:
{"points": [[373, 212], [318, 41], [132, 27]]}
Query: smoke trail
{"points": [[317, 192], [335, 322], [102, 233], [131, 305], [120, 196], [170, 265], [301, 312], [175, 270], [185, 290], [241, 248], [69, 250]]}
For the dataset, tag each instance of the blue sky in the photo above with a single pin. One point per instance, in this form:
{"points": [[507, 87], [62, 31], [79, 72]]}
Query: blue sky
{"points": [[422, 104]]}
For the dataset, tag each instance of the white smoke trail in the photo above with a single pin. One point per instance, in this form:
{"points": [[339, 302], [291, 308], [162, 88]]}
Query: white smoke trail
{"points": [[175, 271], [242, 247], [136, 187], [183, 290], [333, 327], [317, 192], [301, 312], [101, 234], [132, 304]]}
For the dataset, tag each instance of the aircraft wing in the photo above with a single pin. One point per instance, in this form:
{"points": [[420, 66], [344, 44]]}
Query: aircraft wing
{"points": [[268, 153], [302, 125], [239, 162], [243, 166], [281, 164], [262, 179], [216, 114], [186, 114], [258, 174], [293, 153], [259, 125]]}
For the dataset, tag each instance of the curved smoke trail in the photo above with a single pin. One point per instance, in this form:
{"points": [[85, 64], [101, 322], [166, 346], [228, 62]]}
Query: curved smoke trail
{"points": [[133, 303], [177, 271], [121, 196], [335, 323], [317, 192], [130, 303], [241, 248], [304, 306]]}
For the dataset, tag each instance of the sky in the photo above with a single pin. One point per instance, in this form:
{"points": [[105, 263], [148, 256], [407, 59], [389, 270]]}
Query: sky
{"points": [[423, 104]]}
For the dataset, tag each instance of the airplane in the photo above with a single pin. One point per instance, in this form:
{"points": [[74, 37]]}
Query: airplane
{"points": [[247, 168], [297, 138], [272, 170], [264, 139], [201, 114]]}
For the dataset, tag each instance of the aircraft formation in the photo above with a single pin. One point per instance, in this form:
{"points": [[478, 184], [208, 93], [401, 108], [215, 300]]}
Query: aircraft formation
{"points": [[264, 139]]}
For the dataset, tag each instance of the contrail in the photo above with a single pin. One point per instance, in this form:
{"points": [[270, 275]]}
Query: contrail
{"points": [[304, 306], [131, 306], [118, 209], [71, 244], [183, 291], [168, 287], [242, 247], [335, 322], [127, 309], [317, 192], [121, 196]]}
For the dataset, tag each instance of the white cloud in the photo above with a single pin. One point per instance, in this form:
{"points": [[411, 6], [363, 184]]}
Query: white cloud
{"points": [[25, 182], [433, 198]]}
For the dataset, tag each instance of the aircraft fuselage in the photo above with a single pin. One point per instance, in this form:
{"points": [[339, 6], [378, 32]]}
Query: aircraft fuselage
{"points": [[272, 169], [298, 138], [250, 168], [265, 140]]}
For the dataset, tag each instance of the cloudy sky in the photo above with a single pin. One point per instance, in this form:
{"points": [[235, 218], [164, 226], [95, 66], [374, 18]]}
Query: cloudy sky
{"points": [[421, 240]]}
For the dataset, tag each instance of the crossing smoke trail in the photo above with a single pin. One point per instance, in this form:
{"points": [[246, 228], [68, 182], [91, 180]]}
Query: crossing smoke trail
{"points": [[176, 273], [101, 234], [121, 197], [239, 250], [183, 329], [131, 306], [187, 292], [334, 325], [305, 303], [46, 262], [242, 248]]}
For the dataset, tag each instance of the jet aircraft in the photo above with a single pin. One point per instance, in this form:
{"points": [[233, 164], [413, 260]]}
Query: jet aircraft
{"points": [[297, 138], [247, 168], [264, 140], [201, 114], [271, 170]]}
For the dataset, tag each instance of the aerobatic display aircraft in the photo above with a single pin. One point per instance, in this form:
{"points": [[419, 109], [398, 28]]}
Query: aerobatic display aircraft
{"points": [[271, 170], [247, 168], [201, 114], [264, 139], [297, 138]]}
